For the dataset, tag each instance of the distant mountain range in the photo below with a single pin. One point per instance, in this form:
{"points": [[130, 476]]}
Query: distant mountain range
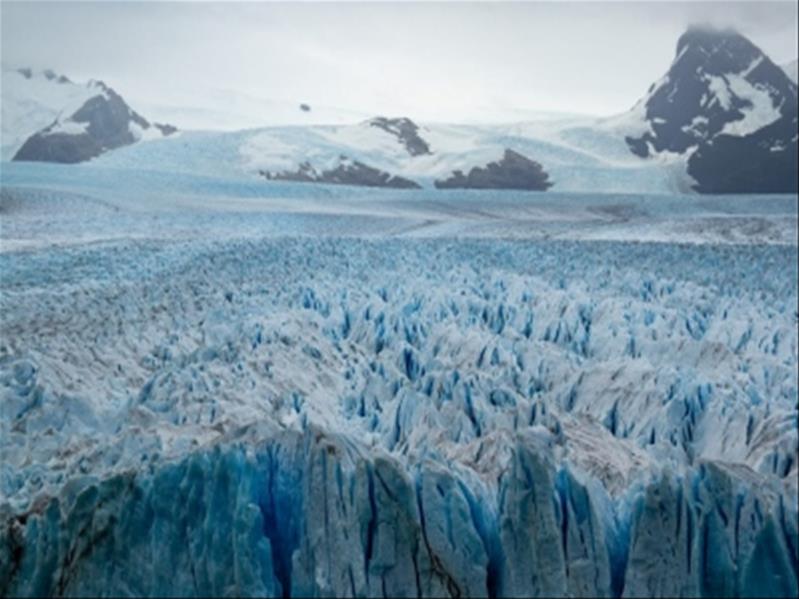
{"points": [[723, 119]]}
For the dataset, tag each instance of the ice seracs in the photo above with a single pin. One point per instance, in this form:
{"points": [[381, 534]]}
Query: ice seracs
{"points": [[213, 386], [363, 417], [223, 386]]}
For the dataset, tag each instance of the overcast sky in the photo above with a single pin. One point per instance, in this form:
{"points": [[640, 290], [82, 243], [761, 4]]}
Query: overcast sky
{"points": [[433, 61]]}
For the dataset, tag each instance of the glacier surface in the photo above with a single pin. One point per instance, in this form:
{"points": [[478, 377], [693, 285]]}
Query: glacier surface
{"points": [[209, 388]]}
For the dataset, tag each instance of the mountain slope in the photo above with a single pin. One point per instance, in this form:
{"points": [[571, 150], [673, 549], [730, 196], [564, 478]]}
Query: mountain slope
{"points": [[792, 70], [33, 100], [723, 119], [723, 103], [47, 117]]}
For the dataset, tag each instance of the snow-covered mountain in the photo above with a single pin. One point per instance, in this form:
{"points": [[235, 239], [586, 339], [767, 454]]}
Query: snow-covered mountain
{"points": [[722, 119], [723, 103], [47, 117], [32, 101]]}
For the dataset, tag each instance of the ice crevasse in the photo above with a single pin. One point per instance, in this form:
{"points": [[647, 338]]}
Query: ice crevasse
{"points": [[389, 422]]}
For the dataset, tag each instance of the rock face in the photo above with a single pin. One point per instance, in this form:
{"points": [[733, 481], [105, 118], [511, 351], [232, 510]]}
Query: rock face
{"points": [[513, 171], [406, 131], [729, 110], [104, 122], [764, 162], [348, 172]]}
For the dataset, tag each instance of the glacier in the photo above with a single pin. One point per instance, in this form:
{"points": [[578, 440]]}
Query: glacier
{"points": [[209, 387]]}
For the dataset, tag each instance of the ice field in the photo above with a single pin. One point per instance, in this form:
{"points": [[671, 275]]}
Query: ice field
{"points": [[226, 386]]}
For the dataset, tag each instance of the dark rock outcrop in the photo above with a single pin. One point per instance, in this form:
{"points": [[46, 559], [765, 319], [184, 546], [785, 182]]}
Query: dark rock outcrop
{"points": [[764, 162], [406, 131], [717, 81], [513, 171], [106, 121], [346, 173], [165, 129]]}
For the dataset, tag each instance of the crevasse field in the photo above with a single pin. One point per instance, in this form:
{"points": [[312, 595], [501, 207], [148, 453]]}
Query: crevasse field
{"points": [[218, 386]]}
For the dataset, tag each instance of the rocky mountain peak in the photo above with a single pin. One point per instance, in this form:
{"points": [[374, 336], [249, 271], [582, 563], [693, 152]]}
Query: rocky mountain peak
{"points": [[716, 51], [723, 103]]}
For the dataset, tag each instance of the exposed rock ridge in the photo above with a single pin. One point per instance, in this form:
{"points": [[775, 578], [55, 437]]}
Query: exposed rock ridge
{"points": [[513, 171]]}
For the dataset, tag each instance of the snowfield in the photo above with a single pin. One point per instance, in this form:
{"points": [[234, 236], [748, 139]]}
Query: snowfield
{"points": [[229, 386]]}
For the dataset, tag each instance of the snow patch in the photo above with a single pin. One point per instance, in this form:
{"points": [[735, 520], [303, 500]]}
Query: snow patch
{"points": [[719, 88], [759, 114]]}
